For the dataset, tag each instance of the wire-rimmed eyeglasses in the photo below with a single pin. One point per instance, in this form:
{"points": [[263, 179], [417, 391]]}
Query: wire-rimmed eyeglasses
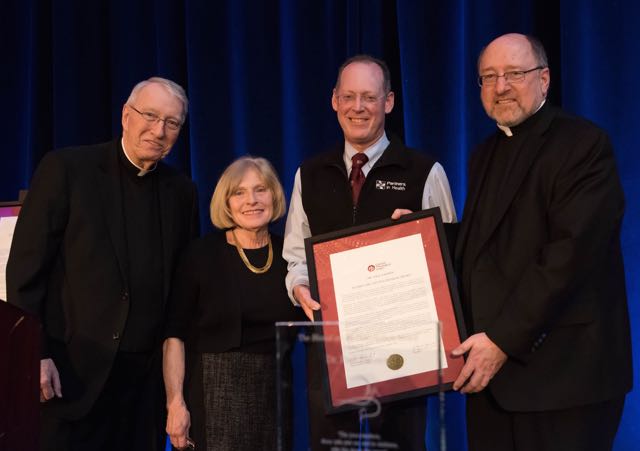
{"points": [[171, 123], [512, 76]]}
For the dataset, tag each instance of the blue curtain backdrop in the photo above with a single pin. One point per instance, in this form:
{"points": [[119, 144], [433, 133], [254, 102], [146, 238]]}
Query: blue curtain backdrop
{"points": [[259, 76]]}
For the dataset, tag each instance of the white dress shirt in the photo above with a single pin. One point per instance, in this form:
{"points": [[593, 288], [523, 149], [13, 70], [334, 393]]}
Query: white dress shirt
{"points": [[436, 193]]}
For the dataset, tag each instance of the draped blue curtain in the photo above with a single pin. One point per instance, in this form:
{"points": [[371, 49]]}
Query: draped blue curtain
{"points": [[259, 76], [601, 59]]}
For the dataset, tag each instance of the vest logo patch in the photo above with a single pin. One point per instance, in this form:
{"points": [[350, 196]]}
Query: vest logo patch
{"points": [[386, 185]]}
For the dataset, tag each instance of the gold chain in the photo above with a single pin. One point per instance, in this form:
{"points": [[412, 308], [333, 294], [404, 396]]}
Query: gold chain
{"points": [[246, 261]]}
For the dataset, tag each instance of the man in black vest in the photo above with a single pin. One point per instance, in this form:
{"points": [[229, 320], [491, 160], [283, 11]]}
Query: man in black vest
{"points": [[92, 256], [323, 201], [543, 285]]}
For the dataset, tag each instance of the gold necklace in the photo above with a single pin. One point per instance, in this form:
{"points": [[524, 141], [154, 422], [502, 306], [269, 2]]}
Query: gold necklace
{"points": [[246, 261]]}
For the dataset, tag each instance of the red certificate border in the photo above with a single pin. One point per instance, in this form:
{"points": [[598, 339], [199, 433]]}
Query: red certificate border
{"points": [[428, 224], [9, 209]]}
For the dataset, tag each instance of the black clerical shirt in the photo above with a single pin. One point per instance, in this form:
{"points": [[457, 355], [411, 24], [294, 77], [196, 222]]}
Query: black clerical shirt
{"points": [[142, 226]]}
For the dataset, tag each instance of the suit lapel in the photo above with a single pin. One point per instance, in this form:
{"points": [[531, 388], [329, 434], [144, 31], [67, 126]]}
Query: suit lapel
{"points": [[525, 159], [111, 197], [478, 172], [168, 209]]}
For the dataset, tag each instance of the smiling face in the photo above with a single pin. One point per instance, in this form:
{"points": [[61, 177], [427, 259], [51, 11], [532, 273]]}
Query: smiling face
{"points": [[510, 103], [361, 119], [148, 142], [251, 202]]}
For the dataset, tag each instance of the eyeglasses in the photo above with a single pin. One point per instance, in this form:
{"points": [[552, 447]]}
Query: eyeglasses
{"points": [[172, 124], [513, 76], [350, 99]]}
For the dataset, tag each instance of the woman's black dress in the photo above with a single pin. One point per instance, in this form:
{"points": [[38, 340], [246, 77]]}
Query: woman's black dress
{"points": [[225, 314]]}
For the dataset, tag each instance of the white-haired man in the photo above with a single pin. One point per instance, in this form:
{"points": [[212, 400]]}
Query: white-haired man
{"points": [[92, 256]]}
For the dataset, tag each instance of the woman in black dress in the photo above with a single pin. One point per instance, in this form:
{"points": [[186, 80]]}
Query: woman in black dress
{"points": [[228, 291]]}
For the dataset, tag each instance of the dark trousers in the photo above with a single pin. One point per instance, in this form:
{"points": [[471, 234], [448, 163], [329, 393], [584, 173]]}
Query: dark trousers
{"points": [[126, 416], [586, 428], [402, 422]]}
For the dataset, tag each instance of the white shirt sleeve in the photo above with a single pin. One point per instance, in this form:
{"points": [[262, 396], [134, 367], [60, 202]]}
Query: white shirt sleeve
{"points": [[296, 230], [437, 193]]}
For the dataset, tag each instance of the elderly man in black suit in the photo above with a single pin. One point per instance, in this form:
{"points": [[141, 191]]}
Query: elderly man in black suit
{"points": [[539, 256], [92, 256]]}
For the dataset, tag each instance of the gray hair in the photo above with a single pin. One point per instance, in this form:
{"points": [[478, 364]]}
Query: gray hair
{"points": [[174, 88], [537, 49]]}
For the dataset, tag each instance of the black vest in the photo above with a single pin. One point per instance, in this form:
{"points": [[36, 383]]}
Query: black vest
{"points": [[396, 181]]}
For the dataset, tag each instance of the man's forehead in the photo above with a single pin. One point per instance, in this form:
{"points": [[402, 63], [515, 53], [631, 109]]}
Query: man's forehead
{"points": [[361, 73], [368, 67], [154, 90], [157, 95], [507, 51]]}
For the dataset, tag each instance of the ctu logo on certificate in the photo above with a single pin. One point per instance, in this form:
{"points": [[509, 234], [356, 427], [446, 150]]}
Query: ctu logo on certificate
{"points": [[378, 266]]}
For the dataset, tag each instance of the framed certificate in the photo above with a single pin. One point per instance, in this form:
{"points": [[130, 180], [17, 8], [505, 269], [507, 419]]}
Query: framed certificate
{"points": [[8, 217], [390, 312]]}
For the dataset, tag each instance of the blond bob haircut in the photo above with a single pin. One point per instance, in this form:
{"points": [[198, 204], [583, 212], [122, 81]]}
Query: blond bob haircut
{"points": [[230, 180]]}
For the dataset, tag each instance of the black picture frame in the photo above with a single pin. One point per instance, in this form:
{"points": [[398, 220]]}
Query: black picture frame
{"points": [[429, 222]]}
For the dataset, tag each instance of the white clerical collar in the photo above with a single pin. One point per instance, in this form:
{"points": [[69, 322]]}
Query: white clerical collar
{"points": [[373, 152], [507, 130], [142, 172]]}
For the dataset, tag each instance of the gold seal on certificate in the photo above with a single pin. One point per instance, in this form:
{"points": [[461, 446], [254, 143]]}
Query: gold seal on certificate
{"points": [[395, 361], [385, 287]]}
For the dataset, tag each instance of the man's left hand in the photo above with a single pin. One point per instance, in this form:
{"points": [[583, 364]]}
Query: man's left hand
{"points": [[484, 360]]}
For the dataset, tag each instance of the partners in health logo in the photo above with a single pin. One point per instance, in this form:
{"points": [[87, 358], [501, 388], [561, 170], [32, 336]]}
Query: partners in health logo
{"points": [[386, 185]]}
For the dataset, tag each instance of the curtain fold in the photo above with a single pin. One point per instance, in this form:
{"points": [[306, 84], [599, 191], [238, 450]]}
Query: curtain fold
{"points": [[259, 75]]}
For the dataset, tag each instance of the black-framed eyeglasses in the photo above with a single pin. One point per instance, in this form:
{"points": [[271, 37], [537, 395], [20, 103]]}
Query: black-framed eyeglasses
{"points": [[513, 76], [171, 123]]}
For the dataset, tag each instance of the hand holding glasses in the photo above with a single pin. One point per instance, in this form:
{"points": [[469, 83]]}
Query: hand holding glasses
{"points": [[191, 445]]}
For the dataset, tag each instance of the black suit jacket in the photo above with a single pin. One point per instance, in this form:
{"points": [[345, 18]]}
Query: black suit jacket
{"points": [[68, 260], [546, 275]]}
